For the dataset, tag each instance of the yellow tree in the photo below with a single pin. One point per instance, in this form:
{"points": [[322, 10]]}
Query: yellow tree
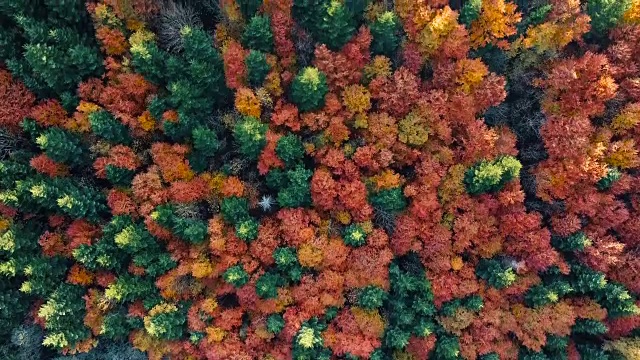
{"points": [[496, 21]]}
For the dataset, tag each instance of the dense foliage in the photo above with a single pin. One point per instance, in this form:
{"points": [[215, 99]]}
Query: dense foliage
{"points": [[319, 179]]}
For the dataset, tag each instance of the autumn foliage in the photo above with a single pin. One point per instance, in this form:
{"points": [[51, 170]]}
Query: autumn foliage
{"points": [[320, 179]]}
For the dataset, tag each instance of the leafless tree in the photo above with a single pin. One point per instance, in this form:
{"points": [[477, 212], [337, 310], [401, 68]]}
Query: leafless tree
{"points": [[172, 19]]}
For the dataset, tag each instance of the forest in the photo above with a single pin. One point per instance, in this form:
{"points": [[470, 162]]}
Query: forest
{"points": [[319, 179]]}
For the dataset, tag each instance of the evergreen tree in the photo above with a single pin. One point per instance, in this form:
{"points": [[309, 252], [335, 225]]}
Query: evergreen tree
{"points": [[191, 230], [287, 265], [249, 7], [63, 313], [575, 242], [43, 275], [257, 35], [206, 145], [409, 305], [495, 273], [290, 149], [247, 230], [589, 327], [308, 342], [194, 79], [62, 146], [267, 285], [470, 11], [296, 191], [613, 175], [336, 25], [234, 209], [491, 176], [331, 22], [257, 68], [57, 195], [49, 45], [389, 200], [605, 14], [308, 89], [447, 348], [165, 321], [236, 276], [371, 297], [275, 323], [354, 236], [308, 13], [385, 34], [115, 326], [106, 126], [128, 288], [250, 135], [119, 176]]}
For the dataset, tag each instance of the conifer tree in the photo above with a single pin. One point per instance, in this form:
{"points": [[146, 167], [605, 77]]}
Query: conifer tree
{"points": [[308, 89], [257, 68], [257, 35], [63, 314], [491, 176], [50, 46], [385, 31]]}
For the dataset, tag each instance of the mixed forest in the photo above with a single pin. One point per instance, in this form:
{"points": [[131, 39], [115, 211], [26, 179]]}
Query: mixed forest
{"points": [[319, 179]]}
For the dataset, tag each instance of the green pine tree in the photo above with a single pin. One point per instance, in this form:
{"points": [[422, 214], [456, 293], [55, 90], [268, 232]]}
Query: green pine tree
{"points": [[63, 313], [104, 125], [236, 276], [62, 146], [257, 35], [371, 297], [491, 176], [389, 200], [50, 46], [385, 34], [234, 209], [308, 89], [275, 323], [297, 191], [290, 149], [250, 135], [495, 273], [354, 236], [257, 68], [605, 14]]}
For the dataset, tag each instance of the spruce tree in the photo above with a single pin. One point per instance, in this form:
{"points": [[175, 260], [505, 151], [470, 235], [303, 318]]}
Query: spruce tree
{"points": [[49, 45]]}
